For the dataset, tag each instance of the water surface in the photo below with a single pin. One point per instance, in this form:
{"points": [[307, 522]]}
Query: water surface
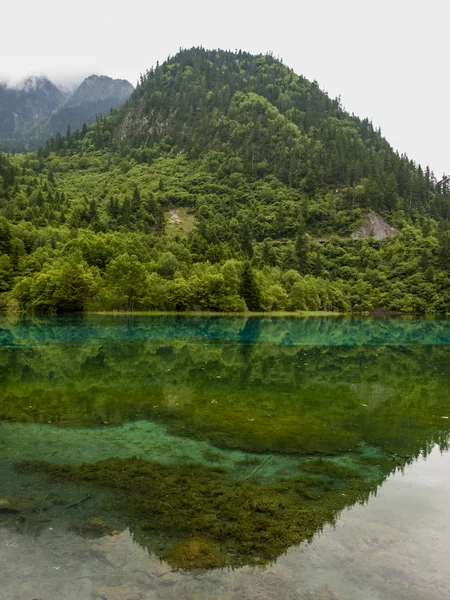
{"points": [[190, 445]]}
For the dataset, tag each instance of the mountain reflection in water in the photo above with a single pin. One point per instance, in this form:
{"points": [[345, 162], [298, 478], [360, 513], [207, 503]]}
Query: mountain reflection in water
{"points": [[215, 441]]}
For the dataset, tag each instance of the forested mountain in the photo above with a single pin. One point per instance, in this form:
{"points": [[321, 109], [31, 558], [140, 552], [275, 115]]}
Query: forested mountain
{"points": [[276, 122], [225, 182], [36, 109]]}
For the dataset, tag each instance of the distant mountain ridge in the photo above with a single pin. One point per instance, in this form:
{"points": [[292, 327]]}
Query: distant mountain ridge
{"points": [[97, 88], [36, 109]]}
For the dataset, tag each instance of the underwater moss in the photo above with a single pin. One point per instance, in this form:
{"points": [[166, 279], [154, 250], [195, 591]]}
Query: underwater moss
{"points": [[329, 468], [246, 522], [211, 455], [192, 554]]}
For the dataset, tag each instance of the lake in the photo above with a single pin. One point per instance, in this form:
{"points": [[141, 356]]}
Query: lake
{"points": [[146, 458]]}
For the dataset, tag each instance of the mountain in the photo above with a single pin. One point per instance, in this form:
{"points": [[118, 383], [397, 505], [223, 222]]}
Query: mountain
{"points": [[96, 95], [37, 109], [257, 110], [24, 107], [225, 182], [101, 89]]}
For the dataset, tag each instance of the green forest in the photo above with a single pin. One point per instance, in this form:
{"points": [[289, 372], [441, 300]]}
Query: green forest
{"points": [[226, 183]]}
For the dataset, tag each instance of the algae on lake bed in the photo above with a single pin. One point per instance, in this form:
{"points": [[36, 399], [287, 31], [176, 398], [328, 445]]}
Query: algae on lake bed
{"points": [[238, 521]]}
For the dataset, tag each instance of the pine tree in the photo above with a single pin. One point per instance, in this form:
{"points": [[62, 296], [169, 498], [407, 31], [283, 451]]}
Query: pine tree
{"points": [[136, 201], [246, 239], [302, 250], [249, 288]]}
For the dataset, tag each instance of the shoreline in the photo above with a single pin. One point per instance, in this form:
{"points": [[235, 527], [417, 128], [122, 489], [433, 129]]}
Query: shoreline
{"points": [[373, 315]]}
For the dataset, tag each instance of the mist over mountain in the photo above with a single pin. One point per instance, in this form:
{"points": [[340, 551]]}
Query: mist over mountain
{"points": [[26, 105], [35, 109]]}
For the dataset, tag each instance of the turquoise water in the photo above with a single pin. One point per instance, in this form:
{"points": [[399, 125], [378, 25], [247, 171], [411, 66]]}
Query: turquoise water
{"points": [[212, 442]]}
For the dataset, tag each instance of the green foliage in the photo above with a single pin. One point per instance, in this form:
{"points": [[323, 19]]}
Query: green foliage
{"points": [[250, 289], [64, 285], [124, 283], [265, 167]]}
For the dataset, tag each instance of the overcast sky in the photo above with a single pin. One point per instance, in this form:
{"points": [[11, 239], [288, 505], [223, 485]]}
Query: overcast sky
{"points": [[389, 61]]}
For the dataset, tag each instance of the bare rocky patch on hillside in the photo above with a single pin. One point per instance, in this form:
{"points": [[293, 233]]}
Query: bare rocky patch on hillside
{"points": [[374, 226]]}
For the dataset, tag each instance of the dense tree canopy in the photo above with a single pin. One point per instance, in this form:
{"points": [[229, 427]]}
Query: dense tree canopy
{"points": [[226, 182]]}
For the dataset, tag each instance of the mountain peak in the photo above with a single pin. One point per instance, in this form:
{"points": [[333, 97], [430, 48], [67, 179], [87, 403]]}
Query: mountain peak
{"points": [[31, 83], [99, 88], [34, 82]]}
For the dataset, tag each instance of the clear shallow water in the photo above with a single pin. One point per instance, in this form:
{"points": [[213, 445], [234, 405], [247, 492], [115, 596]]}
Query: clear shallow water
{"points": [[205, 443]]}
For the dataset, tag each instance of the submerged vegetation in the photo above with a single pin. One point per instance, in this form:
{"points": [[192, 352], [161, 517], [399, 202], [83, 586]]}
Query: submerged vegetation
{"points": [[217, 442], [226, 183], [221, 521]]}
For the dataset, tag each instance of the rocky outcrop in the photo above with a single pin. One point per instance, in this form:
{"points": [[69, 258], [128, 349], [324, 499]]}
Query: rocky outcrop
{"points": [[374, 226]]}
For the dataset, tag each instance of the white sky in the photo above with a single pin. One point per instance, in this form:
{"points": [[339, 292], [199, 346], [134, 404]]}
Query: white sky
{"points": [[389, 60]]}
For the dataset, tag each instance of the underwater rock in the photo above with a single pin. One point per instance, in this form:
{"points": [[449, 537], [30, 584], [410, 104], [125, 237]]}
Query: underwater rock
{"points": [[5, 506], [14, 505], [93, 528], [194, 553]]}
